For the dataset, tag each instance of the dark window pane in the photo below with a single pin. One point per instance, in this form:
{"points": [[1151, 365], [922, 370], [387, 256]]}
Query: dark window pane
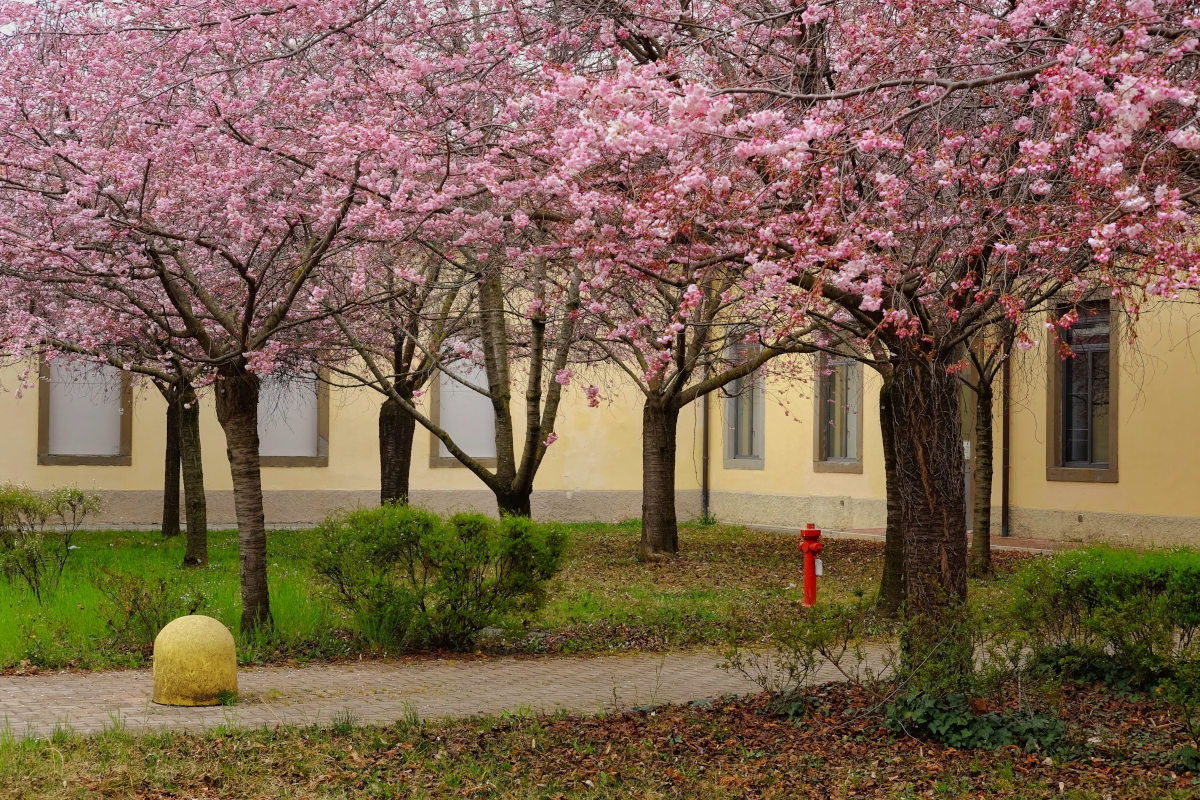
{"points": [[1099, 421], [839, 416], [745, 396], [1085, 389], [744, 419], [1075, 409]]}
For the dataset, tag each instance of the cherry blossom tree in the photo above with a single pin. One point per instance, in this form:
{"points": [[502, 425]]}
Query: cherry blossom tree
{"points": [[402, 340], [678, 336], [989, 355], [920, 172], [467, 311], [48, 320], [203, 163], [886, 176]]}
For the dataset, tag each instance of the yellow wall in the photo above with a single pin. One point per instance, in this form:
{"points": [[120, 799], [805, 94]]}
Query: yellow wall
{"points": [[598, 448], [1158, 429], [788, 464], [599, 451]]}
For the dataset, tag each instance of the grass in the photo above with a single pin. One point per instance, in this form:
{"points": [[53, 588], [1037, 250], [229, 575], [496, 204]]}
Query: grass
{"points": [[723, 749], [726, 577], [71, 627], [603, 599]]}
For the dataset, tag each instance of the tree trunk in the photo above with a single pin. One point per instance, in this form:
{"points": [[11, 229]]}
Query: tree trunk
{"points": [[927, 431], [237, 411], [396, 428], [660, 530], [194, 502], [170, 509], [979, 565], [891, 586], [929, 470], [514, 503]]}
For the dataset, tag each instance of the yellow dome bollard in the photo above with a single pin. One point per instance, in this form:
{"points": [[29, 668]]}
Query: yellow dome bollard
{"points": [[195, 663]]}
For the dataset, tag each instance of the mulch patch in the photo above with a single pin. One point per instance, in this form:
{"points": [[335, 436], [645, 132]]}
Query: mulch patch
{"points": [[1118, 749]]}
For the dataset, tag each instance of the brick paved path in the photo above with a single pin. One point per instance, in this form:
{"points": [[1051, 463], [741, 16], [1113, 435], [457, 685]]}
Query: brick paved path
{"points": [[372, 692]]}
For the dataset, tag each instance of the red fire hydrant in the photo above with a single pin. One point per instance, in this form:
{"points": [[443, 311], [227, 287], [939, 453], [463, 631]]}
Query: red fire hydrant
{"points": [[811, 547]]}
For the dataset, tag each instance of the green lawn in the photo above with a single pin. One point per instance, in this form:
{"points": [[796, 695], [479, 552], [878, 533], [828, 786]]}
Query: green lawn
{"points": [[71, 628], [603, 599]]}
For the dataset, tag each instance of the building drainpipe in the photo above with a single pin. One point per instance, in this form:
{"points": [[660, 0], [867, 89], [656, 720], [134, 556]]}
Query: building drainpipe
{"points": [[704, 448], [1006, 384]]}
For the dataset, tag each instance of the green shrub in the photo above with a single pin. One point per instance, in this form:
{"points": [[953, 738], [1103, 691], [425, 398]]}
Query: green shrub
{"points": [[1131, 618], [936, 685], [413, 579], [1182, 692], [36, 529], [137, 606], [823, 636], [950, 720]]}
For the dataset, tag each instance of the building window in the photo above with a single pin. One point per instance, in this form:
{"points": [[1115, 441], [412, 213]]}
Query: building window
{"points": [[293, 421], [1083, 399], [745, 406], [837, 443], [467, 415], [84, 414]]}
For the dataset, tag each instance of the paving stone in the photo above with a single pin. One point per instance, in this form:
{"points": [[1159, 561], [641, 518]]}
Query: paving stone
{"points": [[376, 691]]}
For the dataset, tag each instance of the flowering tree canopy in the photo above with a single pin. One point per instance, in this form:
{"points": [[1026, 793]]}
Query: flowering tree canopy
{"points": [[885, 177], [193, 168], [902, 174]]}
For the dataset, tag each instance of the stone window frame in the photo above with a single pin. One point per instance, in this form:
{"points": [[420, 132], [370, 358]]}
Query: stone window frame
{"points": [[436, 459], [758, 388], [321, 459], [124, 458], [1056, 470], [821, 463]]}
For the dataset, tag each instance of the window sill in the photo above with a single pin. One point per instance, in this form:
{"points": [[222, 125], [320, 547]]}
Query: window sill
{"points": [[744, 462], [62, 460], [444, 462], [293, 461], [1082, 474], [844, 467]]}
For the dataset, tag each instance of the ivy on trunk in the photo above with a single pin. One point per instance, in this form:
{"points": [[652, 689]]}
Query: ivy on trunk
{"points": [[929, 477]]}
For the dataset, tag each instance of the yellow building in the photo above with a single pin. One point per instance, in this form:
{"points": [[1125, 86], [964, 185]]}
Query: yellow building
{"points": [[1106, 448]]}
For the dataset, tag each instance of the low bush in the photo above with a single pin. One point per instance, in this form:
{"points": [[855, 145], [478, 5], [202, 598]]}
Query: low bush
{"points": [[939, 684], [1126, 617], [36, 529], [1182, 692], [138, 606], [951, 720], [413, 579], [825, 637]]}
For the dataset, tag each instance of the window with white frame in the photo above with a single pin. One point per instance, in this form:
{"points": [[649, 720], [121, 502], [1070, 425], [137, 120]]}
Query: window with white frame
{"points": [[293, 421], [84, 414]]}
